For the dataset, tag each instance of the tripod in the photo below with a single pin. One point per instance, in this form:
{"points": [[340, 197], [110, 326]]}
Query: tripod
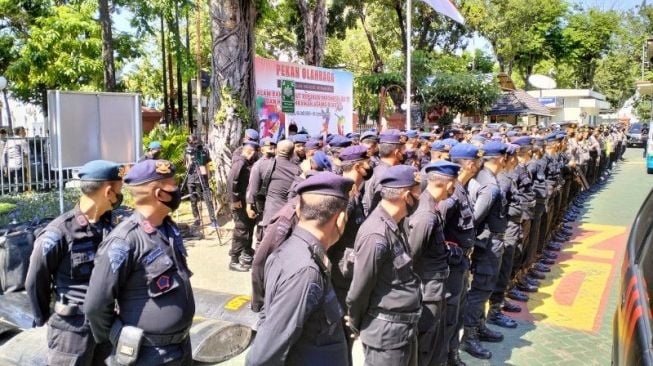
{"points": [[206, 197]]}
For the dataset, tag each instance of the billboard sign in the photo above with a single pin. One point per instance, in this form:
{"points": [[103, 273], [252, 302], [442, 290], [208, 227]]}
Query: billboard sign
{"points": [[322, 98]]}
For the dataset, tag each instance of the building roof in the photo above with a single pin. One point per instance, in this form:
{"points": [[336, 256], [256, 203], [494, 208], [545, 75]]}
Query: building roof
{"points": [[518, 102]]}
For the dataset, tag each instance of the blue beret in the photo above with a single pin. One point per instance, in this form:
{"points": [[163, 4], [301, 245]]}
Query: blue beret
{"points": [[442, 167], [326, 183], [251, 134], [317, 136], [149, 171], [353, 135], [512, 149], [449, 143], [425, 136], [101, 171], [340, 141], [465, 151], [411, 134], [390, 137], [524, 141], [354, 153], [370, 135], [253, 144], [480, 138], [437, 145], [313, 144], [497, 137], [330, 137], [539, 141], [399, 176], [268, 141], [321, 161], [300, 138], [154, 145], [494, 148], [561, 135], [511, 133]]}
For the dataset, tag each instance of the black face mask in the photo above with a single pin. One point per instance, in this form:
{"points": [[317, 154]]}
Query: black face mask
{"points": [[174, 203], [156, 155], [118, 203], [412, 208], [403, 158], [368, 173]]}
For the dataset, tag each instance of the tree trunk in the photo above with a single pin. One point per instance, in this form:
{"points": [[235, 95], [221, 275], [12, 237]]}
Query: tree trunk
{"points": [[107, 47], [378, 61], [402, 25], [315, 20], [232, 64]]}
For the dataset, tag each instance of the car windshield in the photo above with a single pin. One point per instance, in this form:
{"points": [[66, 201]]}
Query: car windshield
{"points": [[635, 128]]}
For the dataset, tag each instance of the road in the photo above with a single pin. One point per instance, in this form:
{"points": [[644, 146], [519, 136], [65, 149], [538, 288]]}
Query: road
{"points": [[569, 321]]}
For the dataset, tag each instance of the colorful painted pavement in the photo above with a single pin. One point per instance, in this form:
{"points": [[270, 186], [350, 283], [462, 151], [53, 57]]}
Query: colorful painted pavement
{"points": [[569, 321]]}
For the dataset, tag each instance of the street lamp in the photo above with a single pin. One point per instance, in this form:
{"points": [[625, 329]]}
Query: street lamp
{"points": [[3, 87]]}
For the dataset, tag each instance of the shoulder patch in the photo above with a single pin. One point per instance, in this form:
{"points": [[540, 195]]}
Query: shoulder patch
{"points": [[314, 297], [49, 239], [118, 252]]}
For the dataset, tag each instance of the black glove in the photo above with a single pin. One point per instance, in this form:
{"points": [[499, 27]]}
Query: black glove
{"points": [[456, 253]]}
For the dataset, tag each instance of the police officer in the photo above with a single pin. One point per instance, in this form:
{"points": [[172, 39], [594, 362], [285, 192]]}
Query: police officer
{"points": [[153, 151], [391, 153], [336, 145], [63, 259], [141, 267], [299, 152], [384, 300], [197, 158], [431, 257], [302, 323], [370, 140], [250, 136], [457, 212], [509, 186], [261, 170], [241, 252], [490, 222]]}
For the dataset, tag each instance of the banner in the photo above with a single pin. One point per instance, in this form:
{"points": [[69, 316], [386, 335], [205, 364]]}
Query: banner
{"points": [[446, 8], [323, 98]]}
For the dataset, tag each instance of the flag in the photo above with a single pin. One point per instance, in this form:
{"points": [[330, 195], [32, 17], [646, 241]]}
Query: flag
{"points": [[446, 8]]}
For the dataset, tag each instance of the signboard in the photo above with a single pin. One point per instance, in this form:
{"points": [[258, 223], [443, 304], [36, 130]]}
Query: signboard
{"points": [[551, 102], [288, 96], [323, 98]]}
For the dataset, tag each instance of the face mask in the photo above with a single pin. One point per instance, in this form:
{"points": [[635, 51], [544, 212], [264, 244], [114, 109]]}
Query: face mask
{"points": [[174, 203], [403, 157], [269, 154], [411, 208], [368, 173], [119, 198], [156, 155]]}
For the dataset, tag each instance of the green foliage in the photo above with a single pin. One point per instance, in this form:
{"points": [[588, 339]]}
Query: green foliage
{"points": [[231, 107], [32, 206], [173, 143], [6, 207], [462, 93], [146, 79]]}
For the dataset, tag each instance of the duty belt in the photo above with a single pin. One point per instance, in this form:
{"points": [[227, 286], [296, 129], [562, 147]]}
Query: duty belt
{"points": [[161, 340], [499, 236], [67, 309], [407, 318]]}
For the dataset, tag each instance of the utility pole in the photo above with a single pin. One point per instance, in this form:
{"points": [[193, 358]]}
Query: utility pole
{"points": [[166, 120]]}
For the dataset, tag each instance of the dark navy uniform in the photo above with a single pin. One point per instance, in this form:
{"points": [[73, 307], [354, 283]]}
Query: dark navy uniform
{"points": [[458, 215], [490, 222], [143, 269], [372, 190], [62, 260], [536, 168], [384, 300], [303, 320], [63, 257], [241, 244], [430, 256]]}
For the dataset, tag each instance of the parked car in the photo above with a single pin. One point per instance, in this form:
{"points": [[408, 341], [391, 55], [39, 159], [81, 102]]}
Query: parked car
{"points": [[634, 135], [632, 334], [648, 153]]}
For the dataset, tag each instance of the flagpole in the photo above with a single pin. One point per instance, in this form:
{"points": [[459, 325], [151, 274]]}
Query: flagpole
{"points": [[409, 31]]}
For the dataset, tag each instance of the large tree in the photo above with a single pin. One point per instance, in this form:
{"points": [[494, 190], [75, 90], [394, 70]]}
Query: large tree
{"points": [[109, 72], [314, 19], [231, 106]]}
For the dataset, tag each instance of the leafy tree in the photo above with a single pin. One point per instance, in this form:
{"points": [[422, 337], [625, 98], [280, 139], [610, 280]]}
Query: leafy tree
{"points": [[462, 93], [588, 37]]}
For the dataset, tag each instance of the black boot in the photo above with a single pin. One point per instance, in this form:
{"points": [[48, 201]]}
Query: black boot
{"points": [[454, 358], [486, 334], [496, 317], [473, 346]]}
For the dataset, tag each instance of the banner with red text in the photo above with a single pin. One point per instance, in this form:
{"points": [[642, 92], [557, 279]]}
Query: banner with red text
{"points": [[323, 98]]}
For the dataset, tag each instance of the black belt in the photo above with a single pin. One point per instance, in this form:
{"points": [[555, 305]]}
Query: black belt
{"points": [[67, 309], [408, 318], [161, 340], [500, 236]]}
